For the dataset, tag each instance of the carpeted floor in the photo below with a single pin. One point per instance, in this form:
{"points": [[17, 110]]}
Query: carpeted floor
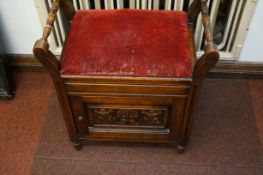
{"points": [[227, 137]]}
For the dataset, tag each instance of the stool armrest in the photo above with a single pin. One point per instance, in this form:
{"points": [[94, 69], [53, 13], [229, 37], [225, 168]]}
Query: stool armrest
{"points": [[211, 55], [41, 47], [42, 42]]}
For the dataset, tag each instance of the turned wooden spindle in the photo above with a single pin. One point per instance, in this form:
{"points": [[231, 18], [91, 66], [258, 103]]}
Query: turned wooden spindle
{"points": [[50, 20], [206, 22], [201, 6], [41, 46], [211, 55]]}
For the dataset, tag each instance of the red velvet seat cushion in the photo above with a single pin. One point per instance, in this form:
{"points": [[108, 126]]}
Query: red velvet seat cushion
{"points": [[133, 43]]}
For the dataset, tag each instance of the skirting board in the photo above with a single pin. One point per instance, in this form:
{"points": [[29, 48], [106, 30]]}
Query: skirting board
{"points": [[224, 69], [237, 69], [22, 62]]}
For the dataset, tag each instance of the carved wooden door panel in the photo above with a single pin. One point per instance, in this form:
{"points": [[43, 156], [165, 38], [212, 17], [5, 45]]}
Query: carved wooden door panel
{"points": [[136, 118]]}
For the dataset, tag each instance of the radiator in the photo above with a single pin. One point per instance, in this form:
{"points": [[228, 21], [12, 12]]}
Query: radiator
{"points": [[230, 24]]}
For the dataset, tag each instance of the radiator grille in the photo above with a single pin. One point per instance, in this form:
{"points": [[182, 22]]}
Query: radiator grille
{"points": [[229, 23]]}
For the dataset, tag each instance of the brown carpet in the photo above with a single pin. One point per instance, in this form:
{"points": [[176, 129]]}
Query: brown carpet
{"points": [[227, 136], [21, 122]]}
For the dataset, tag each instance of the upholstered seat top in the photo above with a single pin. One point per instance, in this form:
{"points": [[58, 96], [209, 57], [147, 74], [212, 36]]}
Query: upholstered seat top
{"points": [[130, 43]]}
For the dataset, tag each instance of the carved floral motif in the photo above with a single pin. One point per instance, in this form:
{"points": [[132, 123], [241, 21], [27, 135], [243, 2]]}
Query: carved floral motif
{"points": [[129, 117]]}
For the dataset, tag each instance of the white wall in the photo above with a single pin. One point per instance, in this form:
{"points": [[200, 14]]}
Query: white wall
{"points": [[253, 46], [19, 25]]}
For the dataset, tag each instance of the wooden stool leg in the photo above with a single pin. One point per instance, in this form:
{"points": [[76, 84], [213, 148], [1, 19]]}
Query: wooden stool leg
{"points": [[180, 147], [50, 62], [192, 104], [78, 146]]}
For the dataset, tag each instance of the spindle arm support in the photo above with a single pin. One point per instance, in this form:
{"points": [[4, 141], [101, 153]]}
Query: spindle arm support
{"points": [[211, 54], [42, 43], [41, 47]]}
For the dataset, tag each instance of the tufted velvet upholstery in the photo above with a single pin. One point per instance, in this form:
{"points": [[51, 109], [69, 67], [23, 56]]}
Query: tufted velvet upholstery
{"points": [[133, 43]]}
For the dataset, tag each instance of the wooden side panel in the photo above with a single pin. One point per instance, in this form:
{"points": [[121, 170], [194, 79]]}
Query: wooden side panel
{"points": [[79, 115]]}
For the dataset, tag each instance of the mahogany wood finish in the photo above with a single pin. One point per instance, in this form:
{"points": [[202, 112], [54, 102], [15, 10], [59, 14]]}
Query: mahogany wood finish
{"points": [[129, 109]]}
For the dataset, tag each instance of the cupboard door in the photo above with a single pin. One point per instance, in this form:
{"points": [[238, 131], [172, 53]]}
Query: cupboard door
{"points": [[128, 118]]}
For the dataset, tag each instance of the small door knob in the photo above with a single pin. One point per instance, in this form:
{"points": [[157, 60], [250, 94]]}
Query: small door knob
{"points": [[80, 118]]}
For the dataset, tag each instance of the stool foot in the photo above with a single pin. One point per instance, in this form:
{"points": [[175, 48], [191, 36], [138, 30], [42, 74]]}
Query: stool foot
{"points": [[180, 148], [78, 146]]}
